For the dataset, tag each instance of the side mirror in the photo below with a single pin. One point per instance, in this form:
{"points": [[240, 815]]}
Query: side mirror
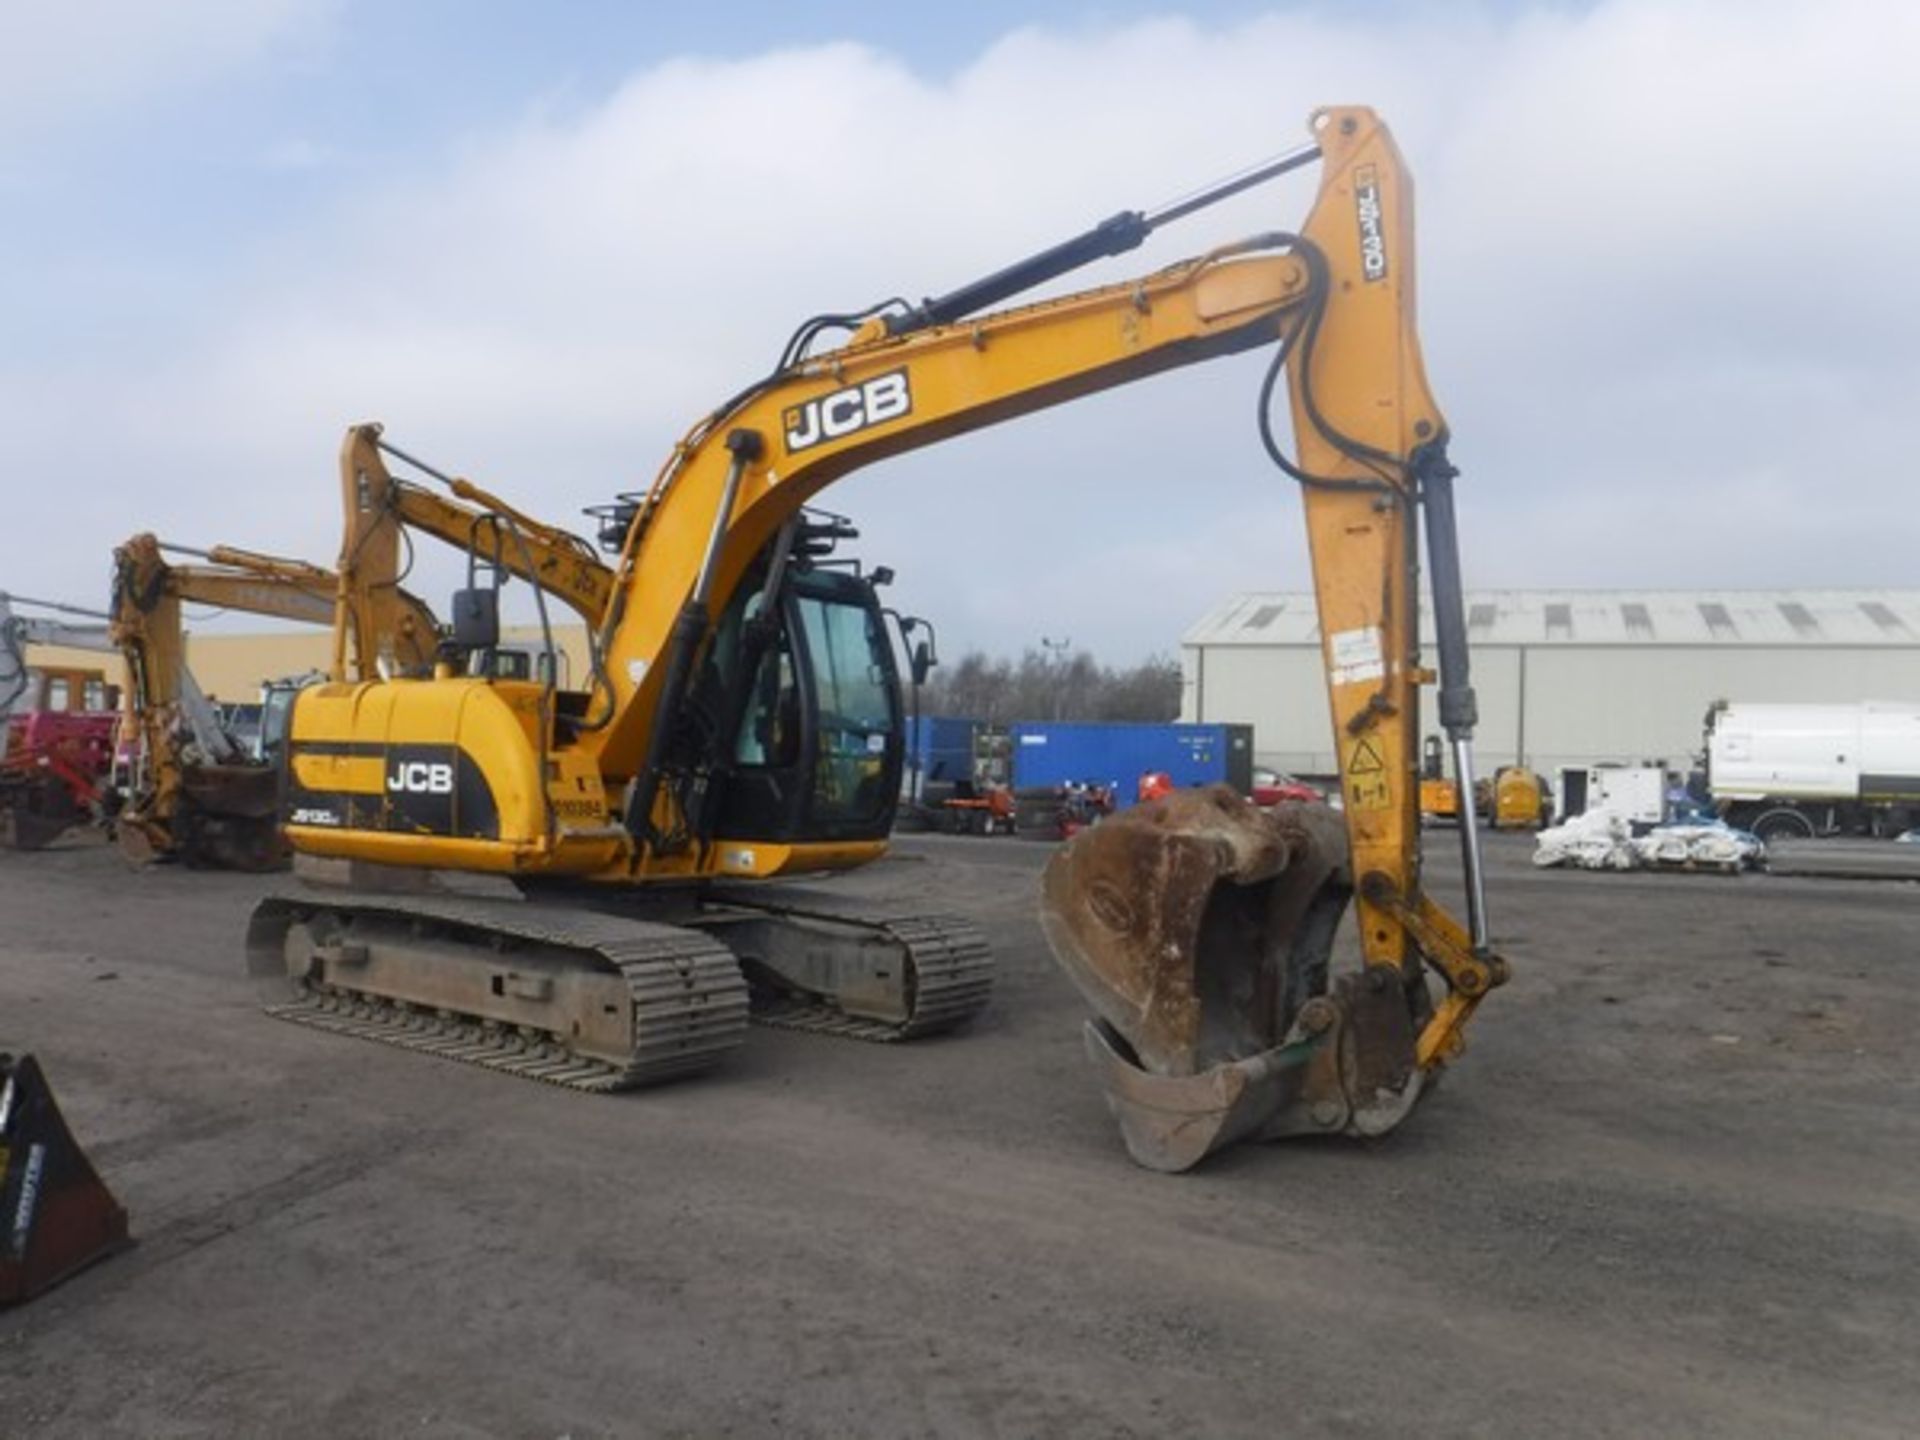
{"points": [[923, 662], [476, 619]]}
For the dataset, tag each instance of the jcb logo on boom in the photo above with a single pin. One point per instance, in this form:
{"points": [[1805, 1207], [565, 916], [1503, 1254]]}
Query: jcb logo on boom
{"points": [[1373, 238], [421, 777], [832, 417]]}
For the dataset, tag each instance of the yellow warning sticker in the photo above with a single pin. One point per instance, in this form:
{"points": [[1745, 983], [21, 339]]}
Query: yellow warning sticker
{"points": [[1367, 787], [1368, 792]]}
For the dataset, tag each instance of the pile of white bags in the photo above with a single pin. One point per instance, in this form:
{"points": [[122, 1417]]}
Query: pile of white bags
{"points": [[1596, 840], [1717, 844], [1602, 840]]}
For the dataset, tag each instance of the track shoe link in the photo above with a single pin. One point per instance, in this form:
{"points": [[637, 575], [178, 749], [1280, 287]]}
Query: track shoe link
{"points": [[584, 1001], [824, 966]]}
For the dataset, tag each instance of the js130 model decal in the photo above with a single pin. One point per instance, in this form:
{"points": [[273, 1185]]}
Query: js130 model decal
{"points": [[1373, 240], [844, 412]]}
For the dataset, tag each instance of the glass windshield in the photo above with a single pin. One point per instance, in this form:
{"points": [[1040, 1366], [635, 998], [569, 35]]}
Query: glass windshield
{"points": [[856, 712], [275, 709]]}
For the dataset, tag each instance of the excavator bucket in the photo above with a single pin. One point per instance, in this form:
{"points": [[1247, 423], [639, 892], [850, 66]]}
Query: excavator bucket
{"points": [[35, 811], [229, 818], [1199, 928], [56, 1216], [224, 817]]}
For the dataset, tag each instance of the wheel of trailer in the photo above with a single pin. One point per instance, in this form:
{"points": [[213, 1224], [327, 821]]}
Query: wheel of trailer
{"points": [[1786, 823]]}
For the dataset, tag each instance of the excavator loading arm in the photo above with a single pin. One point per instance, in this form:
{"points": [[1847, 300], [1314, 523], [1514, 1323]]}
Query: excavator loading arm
{"points": [[1200, 933], [193, 794], [381, 508]]}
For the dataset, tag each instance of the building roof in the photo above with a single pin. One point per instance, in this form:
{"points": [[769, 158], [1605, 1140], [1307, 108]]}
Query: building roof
{"points": [[1810, 618]]}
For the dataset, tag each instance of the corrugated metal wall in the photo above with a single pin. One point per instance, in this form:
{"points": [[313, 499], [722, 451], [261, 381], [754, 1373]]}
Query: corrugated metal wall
{"points": [[1581, 704]]}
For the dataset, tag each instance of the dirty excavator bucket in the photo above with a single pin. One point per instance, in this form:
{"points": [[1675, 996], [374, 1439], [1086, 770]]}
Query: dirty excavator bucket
{"points": [[1199, 927], [225, 817], [35, 813], [56, 1216]]}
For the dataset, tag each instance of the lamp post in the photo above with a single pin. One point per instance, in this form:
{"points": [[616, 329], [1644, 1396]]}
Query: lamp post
{"points": [[1058, 650]]}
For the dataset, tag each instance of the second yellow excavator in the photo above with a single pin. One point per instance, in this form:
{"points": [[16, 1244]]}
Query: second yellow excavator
{"points": [[191, 794], [742, 724]]}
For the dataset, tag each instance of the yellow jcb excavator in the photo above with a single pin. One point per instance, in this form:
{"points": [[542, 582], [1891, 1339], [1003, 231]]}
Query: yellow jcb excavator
{"points": [[743, 723], [192, 795]]}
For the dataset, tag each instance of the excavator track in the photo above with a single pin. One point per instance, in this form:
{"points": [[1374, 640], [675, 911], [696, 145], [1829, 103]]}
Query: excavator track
{"points": [[689, 1001], [946, 967]]}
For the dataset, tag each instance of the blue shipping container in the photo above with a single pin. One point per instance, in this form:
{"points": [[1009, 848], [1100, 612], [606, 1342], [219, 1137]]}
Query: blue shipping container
{"points": [[1061, 752], [943, 745]]}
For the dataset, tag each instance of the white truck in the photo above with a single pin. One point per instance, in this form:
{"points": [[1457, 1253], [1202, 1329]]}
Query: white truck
{"points": [[1805, 770]]}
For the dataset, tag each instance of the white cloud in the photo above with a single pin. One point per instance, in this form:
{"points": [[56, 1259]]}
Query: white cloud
{"points": [[1663, 304], [72, 61]]}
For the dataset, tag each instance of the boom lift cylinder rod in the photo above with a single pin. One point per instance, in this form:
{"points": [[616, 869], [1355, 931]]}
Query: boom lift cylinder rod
{"points": [[1459, 711], [1115, 235], [388, 447], [689, 629]]}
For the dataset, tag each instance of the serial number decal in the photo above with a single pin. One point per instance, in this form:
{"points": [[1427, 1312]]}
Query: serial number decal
{"points": [[847, 412], [1373, 238], [1356, 656]]}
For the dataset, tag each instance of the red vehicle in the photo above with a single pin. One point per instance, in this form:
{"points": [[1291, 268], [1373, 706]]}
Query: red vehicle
{"points": [[56, 739], [52, 772], [1270, 787]]}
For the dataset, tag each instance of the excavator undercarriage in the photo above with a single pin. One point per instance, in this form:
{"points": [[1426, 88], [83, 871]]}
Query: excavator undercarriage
{"points": [[611, 991], [587, 1001]]}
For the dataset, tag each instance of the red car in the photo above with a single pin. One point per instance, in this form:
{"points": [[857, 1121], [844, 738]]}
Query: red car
{"points": [[1270, 787]]}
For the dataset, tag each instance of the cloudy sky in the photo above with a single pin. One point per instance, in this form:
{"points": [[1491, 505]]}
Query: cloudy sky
{"points": [[1665, 252]]}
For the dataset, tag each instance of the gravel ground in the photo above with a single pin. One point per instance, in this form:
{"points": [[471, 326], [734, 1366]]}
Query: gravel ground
{"points": [[1670, 1190]]}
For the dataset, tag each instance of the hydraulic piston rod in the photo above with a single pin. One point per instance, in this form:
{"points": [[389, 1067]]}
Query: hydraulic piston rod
{"points": [[1115, 235], [1459, 711]]}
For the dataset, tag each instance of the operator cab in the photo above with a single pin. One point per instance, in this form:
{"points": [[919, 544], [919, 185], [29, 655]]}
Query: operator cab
{"points": [[800, 713]]}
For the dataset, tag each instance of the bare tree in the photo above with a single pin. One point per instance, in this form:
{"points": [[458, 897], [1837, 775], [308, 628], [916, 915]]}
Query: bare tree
{"points": [[1042, 687]]}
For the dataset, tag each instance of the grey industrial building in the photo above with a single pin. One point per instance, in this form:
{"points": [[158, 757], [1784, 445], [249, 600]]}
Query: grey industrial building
{"points": [[1571, 677]]}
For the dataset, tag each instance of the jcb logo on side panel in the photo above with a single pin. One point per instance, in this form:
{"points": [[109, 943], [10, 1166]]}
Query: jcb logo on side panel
{"points": [[419, 777], [844, 412]]}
